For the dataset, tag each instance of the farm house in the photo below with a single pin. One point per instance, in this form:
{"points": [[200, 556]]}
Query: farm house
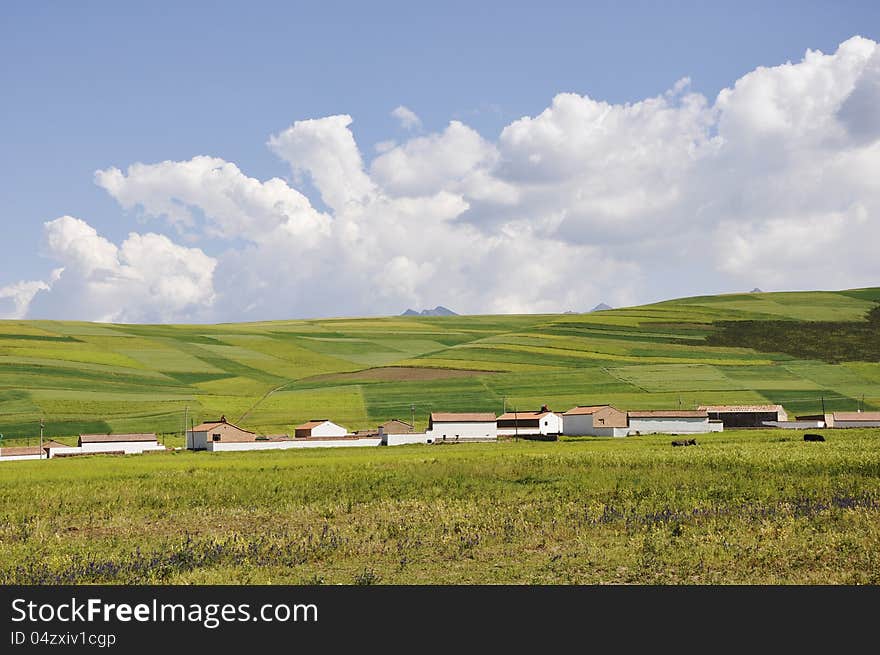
{"points": [[20, 453], [541, 422], [745, 416], [201, 435], [676, 421], [284, 442], [319, 427], [451, 426], [852, 420], [595, 420]]}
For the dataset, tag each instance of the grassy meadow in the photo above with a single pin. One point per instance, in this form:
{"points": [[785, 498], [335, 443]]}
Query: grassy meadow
{"points": [[86, 377], [751, 506]]}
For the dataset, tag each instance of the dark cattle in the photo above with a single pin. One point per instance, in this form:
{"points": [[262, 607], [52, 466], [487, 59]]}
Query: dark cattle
{"points": [[685, 442], [813, 437]]}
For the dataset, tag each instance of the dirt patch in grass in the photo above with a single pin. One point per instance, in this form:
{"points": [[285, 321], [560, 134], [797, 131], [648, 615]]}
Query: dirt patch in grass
{"points": [[399, 374]]}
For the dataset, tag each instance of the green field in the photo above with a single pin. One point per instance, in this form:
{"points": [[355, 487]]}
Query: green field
{"points": [[83, 377], [741, 507]]}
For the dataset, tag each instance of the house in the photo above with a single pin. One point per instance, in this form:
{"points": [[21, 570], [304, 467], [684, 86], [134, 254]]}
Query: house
{"points": [[319, 427], [595, 420], [672, 421], [541, 422], [20, 453], [745, 416], [852, 420], [198, 437], [450, 426], [284, 442], [125, 443]]}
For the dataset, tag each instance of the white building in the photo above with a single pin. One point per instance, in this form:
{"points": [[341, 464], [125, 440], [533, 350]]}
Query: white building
{"points": [[449, 426], [198, 437], [319, 427], [595, 420], [542, 422], [128, 444], [672, 422]]}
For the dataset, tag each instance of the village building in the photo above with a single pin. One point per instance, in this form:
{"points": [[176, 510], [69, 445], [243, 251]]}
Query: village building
{"points": [[595, 420], [529, 423], [221, 430], [20, 453], [848, 419], [675, 421], [745, 416], [125, 443], [451, 426], [320, 427]]}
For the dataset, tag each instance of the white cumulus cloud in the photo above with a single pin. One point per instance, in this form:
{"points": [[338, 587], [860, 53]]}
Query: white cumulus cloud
{"points": [[408, 119]]}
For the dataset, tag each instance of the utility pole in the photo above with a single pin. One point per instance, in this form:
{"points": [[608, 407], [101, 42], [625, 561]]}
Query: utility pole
{"points": [[185, 417], [41, 438], [515, 425], [823, 405], [412, 414]]}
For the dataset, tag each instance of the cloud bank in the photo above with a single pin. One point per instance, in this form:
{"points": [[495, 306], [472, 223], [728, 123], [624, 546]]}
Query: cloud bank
{"points": [[771, 184]]}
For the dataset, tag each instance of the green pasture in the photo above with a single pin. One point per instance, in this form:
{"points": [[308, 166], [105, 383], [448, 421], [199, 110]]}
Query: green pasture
{"points": [[743, 507], [272, 375]]}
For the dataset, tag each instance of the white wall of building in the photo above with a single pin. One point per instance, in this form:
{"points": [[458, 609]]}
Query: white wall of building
{"points": [[219, 446], [14, 458], [128, 447], [463, 431], [663, 425], [408, 438]]}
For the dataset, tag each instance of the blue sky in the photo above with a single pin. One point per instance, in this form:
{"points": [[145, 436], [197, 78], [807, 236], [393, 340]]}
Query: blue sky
{"points": [[92, 85]]}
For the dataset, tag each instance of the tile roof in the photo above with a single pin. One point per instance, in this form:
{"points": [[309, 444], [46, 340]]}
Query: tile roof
{"points": [[210, 425], [585, 409], [21, 451], [315, 422], [856, 416], [112, 438], [452, 417], [511, 416]]}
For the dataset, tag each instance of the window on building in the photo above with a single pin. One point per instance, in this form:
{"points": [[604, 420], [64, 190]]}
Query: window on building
{"points": [[215, 437]]}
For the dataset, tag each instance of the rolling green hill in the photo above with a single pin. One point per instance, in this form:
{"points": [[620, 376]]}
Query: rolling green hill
{"points": [[789, 348]]}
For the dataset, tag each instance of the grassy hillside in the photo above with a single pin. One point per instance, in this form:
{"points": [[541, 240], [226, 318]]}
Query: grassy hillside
{"points": [[757, 507], [270, 376]]}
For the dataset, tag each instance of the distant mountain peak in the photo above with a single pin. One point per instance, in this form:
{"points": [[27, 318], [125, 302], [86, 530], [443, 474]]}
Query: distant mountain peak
{"points": [[439, 310], [756, 290], [601, 307]]}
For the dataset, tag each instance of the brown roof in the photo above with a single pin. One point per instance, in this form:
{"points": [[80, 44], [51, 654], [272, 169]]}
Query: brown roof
{"points": [[668, 413], [473, 417], [585, 409], [315, 422], [740, 408], [856, 416], [511, 416], [21, 451], [210, 425], [110, 438]]}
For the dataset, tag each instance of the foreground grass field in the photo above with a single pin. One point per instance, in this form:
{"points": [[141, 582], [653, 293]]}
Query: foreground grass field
{"points": [[747, 348], [742, 507]]}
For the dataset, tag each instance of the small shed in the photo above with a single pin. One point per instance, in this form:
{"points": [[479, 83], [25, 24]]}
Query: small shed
{"points": [[745, 416]]}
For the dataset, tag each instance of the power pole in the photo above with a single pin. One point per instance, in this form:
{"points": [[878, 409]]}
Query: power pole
{"points": [[412, 414], [823, 405], [185, 417], [515, 425], [41, 438]]}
